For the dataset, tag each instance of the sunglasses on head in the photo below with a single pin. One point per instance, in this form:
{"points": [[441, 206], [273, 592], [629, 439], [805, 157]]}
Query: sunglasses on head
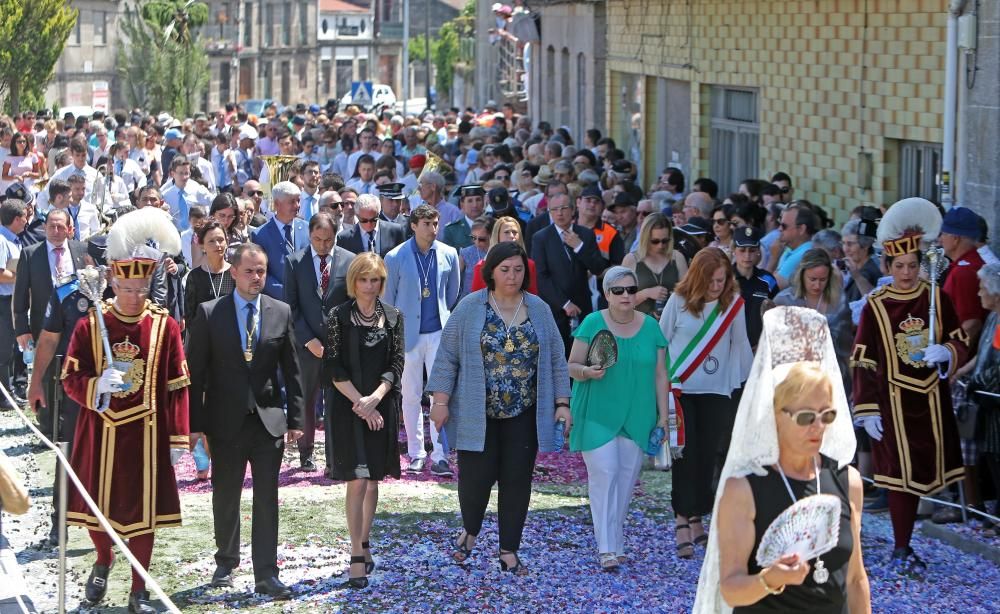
{"points": [[620, 290], [806, 417]]}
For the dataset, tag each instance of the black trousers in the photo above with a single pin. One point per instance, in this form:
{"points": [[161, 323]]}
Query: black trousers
{"points": [[253, 444], [705, 420], [508, 460], [7, 343], [311, 369]]}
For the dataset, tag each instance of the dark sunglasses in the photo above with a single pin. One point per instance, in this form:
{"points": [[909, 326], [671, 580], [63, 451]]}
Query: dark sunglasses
{"points": [[659, 241], [479, 239], [256, 193], [806, 417], [372, 220], [620, 290], [720, 222]]}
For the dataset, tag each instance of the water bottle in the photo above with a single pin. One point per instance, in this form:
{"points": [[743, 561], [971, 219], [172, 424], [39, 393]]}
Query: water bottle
{"points": [[29, 353], [574, 322], [557, 435]]}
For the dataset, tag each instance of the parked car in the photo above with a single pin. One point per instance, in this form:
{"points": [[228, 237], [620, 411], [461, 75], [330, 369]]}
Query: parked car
{"points": [[382, 98], [256, 106]]}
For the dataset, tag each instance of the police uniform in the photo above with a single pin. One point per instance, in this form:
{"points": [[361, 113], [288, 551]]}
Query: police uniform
{"points": [[458, 233], [761, 286]]}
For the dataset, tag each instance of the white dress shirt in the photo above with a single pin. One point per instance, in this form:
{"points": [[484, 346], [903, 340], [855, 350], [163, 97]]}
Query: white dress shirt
{"points": [[62, 266]]}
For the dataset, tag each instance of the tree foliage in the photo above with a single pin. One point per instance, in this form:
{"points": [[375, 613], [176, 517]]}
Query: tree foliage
{"points": [[162, 60], [32, 36]]}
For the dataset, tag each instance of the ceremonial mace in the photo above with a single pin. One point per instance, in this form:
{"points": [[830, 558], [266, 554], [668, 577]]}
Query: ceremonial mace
{"points": [[934, 265], [93, 280]]}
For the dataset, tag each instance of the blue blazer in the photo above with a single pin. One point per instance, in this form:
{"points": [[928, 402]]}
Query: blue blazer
{"points": [[270, 238], [402, 287]]}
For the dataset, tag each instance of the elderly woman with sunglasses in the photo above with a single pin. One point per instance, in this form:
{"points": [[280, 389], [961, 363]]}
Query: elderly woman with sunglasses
{"points": [[793, 440], [656, 264], [615, 409]]}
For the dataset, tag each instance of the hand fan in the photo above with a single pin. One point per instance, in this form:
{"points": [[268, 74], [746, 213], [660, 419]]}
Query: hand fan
{"points": [[603, 350], [809, 528]]}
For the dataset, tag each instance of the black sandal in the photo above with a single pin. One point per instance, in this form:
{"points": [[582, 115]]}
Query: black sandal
{"points": [[369, 565], [460, 547], [702, 539], [518, 568], [360, 581], [685, 550]]}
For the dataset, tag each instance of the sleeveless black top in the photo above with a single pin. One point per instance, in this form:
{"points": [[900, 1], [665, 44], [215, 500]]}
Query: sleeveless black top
{"points": [[770, 499]]}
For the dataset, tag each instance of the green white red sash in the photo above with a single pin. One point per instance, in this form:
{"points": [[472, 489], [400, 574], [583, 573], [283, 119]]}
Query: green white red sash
{"points": [[688, 361]]}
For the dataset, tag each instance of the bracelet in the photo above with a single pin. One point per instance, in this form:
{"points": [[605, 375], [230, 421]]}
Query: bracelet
{"points": [[767, 588]]}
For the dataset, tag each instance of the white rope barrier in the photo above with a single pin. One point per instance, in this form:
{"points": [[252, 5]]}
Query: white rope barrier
{"points": [[151, 584]]}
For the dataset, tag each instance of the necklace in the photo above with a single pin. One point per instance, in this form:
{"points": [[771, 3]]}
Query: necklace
{"points": [[820, 574], [508, 345], [632, 319], [425, 272], [366, 320]]}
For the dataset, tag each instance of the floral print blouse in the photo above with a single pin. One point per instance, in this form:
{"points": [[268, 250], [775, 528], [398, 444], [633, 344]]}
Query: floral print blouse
{"points": [[510, 376]]}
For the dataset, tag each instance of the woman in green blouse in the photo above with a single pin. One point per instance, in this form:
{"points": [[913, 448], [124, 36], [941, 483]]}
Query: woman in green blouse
{"points": [[614, 410]]}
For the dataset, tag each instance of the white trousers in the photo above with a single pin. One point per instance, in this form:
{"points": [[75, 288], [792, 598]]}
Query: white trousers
{"points": [[612, 471], [421, 356]]}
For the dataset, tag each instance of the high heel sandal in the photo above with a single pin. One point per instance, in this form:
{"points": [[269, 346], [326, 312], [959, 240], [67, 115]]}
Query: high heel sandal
{"points": [[360, 581], [685, 550], [702, 539], [518, 568], [461, 550], [369, 565]]}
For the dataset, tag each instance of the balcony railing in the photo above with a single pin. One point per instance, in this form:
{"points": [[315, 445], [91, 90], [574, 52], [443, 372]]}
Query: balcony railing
{"points": [[510, 66]]}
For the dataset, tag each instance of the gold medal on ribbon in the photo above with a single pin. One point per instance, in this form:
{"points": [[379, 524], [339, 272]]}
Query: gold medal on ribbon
{"points": [[509, 346], [248, 355], [426, 293]]}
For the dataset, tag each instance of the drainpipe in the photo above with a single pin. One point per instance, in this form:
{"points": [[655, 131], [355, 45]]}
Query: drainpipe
{"points": [[955, 8]]}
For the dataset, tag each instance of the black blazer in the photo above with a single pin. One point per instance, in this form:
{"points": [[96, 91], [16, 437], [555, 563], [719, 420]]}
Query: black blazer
{"points": [[223, 385], [33, 285], [535, 224], [302, 291], [387, 237], [562, 273]]}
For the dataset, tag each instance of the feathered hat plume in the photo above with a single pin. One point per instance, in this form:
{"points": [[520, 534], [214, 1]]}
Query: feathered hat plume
{"points": [[907, 224], [138, 240]]}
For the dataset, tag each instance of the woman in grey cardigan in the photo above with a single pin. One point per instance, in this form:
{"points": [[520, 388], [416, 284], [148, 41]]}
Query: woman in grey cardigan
{"points": [[499, 383]]}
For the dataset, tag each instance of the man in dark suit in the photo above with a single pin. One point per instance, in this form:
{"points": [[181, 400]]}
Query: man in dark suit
{"points": [[236, 344], [543, 219], [282, 236], [56, 258], [315, 283], [371, 233], [564, 254]]}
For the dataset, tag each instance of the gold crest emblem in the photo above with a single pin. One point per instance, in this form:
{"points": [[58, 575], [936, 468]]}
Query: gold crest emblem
{"points": [[911, 342], [126, 360]]}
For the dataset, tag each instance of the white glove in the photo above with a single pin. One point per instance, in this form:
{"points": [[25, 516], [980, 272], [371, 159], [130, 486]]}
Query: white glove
{"points": [[937, 354], [872, 426], [110, 381], [176, 454]]}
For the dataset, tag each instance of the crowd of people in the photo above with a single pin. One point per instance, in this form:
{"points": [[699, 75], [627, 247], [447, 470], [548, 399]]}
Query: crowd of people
{"points": [[449, 273]]}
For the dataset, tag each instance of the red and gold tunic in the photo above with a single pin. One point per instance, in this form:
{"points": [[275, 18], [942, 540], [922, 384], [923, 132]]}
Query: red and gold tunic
{"points": [[123, 454], [919, 452]]}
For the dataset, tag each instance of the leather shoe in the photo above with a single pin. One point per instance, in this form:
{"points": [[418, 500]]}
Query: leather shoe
{"points": [[222, 578], [138, 603], [97, 583], [273, 588], [416, 465], [308, 465]]}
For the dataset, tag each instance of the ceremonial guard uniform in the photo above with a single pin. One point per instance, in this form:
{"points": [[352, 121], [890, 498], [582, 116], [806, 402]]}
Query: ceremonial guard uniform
{"points": [[901, 394], [123, 453]]}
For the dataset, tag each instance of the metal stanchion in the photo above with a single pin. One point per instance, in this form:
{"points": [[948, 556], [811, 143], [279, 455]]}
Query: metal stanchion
{"points": [[61, 476]]}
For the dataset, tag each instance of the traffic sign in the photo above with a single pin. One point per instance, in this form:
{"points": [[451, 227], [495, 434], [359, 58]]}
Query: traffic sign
{"points": [[362, 93]]}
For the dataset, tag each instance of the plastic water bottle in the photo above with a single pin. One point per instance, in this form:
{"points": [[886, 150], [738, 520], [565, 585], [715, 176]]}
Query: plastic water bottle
{"points": [[557, 435], [29, 353]]}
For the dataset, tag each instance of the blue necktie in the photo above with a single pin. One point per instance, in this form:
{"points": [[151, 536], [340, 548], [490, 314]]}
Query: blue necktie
{"points": [[75, 212], [289, 244], [182, 206]]}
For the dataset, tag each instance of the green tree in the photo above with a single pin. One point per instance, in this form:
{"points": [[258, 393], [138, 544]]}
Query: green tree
{"points": [[162, 61], [32, 36]]}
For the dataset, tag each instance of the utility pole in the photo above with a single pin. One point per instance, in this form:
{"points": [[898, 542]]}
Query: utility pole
{"points": [[406, 54]]}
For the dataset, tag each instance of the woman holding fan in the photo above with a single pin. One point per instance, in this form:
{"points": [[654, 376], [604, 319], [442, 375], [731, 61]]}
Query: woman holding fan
{"points": [[709, 358], [616, 407]]}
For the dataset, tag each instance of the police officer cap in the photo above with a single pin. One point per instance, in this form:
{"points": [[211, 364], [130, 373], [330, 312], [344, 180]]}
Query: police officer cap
{"points": [[392, 191], [471, 190], [747, 236]]}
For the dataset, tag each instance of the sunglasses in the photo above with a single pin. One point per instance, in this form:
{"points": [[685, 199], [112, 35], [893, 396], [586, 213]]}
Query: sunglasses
{"points": [[785, 226], [806, 417], [256, 193], [372, 220], [659, 241], [479, 239], [720, 221], [620, 290]]}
